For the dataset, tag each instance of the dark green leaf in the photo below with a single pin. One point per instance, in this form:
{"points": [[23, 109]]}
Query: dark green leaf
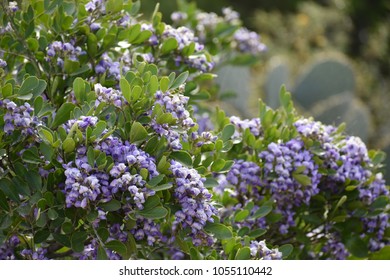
{"points": [[182, 157], [3, 201], [62, 239], [302, 179], [219, 231], [257, 233], [357, 247], [28, 86], [155, 213], [227, 132], [210, 183], [180, 80], [117, 247], [241, 215], [112, 205], [41, 236], [77, 241], [63, 114], [9, 190], [162, 187], [286, 250], [262, 212], [137, 132], [155, 180], [218, 165], [382, 254], [101, 253]]}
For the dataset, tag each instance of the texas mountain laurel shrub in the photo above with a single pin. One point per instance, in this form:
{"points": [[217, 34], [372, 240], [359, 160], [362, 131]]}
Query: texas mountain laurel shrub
{"points": [[109, 151]]}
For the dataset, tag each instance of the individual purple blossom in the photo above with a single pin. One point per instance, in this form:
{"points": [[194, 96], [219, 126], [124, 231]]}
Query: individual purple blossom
{"points": [[13, 6], [195, 201], [178, 16], [3, 63], [246, 41], [375, 189], [96, 5], [259, 250], [107, 65]]}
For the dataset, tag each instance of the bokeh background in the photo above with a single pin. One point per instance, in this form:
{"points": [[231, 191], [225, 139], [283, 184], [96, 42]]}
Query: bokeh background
{"points": [[333, 55]]}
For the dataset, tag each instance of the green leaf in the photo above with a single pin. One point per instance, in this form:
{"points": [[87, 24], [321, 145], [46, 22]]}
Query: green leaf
{"points": [[169, 45], [52, 214], [350, 188], [79, 89], [142, 37], [210, 183], [219, 231], [41, 236], [9, 189], [151, 202], [286, 250], [182, 157], [77, 241], [180, 80], [262, 212], [91, 156], [101, 253], [28, 86], [164, 84], [243, 254], [63, 114], [257, 233], [134, 32], [30, 156], [62, 239], [126, 89], [162, 187], [114, 6], [227, 132], [165, 118], [137, 132], [241, 215], [155, 180], [357, 247], [153, 84], [155, 213], [3, 201], [302, 179], [68, 145], [379, 203], [112, 205], [382, 254], [218, 164], [117, 247]]}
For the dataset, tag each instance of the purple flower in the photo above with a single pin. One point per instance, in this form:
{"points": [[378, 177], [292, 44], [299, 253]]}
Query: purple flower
{"points": [[259, 250]]}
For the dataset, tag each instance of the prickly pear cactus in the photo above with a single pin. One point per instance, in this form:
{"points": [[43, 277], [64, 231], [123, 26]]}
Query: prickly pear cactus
{"points": [[277, 75], [323, 79], [237, 80]]}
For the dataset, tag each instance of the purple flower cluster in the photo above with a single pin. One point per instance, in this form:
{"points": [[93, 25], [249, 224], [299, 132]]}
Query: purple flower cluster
{"points": [[245, 176], [82, 123], [107, 65], [38, 254], [147, 228], [259, 250], [254, 125], [108, 96], [185, 36], [175, 104], [246, 41], [18, 117], [58, 51], [371, 192], [195, 201], [7, 249], [87, 184], [335, 249], [280, 163], [13, 6]]}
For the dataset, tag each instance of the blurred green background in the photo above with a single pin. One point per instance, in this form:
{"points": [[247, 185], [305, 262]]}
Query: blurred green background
{"points": [[333, 55]]}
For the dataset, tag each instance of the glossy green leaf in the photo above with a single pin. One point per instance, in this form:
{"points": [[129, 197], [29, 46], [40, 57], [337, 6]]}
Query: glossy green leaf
{"points": [[117, 247], [286, 250], [219, 231], [112, 205], [77, 241], [227, 132], [137, 132], [158, 212], [169, 45], [180, 80], [164, 84], [63, 114], [183, 157]]}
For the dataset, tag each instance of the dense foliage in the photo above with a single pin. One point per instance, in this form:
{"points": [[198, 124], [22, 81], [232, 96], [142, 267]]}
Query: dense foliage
{"points": [[108, 151]]}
